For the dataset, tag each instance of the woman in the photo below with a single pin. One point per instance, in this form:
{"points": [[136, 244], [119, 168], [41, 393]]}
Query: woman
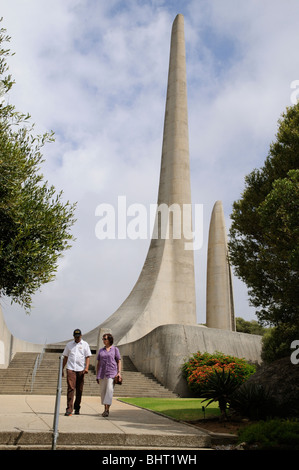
{"points": [[108, 367]]}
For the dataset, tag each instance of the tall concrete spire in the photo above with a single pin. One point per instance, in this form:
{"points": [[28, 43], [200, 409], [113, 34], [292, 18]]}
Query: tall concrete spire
{"points": [[165, 290], [219, 301]]}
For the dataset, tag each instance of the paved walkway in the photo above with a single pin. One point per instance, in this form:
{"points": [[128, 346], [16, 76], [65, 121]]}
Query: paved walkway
{"points": [[26, 422]]}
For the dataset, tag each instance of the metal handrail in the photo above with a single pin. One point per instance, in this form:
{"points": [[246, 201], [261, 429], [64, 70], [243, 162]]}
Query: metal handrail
{"points": [[41, 355], [34, 373], [57, 404], [37, 363]]}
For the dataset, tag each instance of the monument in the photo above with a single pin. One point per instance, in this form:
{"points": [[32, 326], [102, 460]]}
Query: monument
{"points": [[165, 290], [156, 324]]}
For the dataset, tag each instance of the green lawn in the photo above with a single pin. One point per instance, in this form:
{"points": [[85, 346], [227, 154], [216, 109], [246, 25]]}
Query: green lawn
{"points": [[184, 409]]}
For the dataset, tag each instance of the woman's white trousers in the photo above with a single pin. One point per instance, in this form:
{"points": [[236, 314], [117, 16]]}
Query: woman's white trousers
{"points": [[107, 387]]}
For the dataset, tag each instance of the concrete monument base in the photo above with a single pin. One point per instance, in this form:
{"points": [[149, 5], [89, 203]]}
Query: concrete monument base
{"points": [[163, 351]]}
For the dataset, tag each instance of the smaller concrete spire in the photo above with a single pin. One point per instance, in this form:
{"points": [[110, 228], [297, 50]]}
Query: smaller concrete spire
{"points": [[219, 302]]}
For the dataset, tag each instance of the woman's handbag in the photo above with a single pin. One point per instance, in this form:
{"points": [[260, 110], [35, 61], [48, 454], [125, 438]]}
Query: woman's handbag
{"points": [[118, 380]]}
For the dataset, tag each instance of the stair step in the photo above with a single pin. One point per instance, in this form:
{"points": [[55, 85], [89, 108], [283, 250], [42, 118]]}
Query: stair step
{"points": [[17, 378]]}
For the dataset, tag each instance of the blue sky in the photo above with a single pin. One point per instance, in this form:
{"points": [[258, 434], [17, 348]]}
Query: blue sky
{"points": [[95, 72]]}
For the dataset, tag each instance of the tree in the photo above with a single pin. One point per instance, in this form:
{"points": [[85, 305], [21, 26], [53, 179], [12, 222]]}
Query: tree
{"points": [[34, 221], [264, 234], [251, 327]]}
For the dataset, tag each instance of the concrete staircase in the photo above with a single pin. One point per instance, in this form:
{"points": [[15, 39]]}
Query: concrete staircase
{"points": [[17, 378]]}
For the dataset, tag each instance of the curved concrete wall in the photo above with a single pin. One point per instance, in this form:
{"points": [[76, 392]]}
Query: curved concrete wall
{"points": [[163, 351], [9, 345]]}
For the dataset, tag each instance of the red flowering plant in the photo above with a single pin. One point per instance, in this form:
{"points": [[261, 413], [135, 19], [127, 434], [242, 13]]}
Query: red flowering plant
{"points": [[201, 366]]}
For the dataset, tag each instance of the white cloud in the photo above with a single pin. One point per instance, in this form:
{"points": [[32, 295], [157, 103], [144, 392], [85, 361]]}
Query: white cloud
{"points": [[96, 72]]}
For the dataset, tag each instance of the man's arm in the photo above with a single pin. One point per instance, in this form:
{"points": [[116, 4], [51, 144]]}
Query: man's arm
{"points": [[65, 358], [87, 362]]}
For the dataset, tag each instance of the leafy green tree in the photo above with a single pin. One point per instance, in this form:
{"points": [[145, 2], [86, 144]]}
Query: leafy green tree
{"points": [[251, 327], [276, 343], [34, 221], [264, 235]]}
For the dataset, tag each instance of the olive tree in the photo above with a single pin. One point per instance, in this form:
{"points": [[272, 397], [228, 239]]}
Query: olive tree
{"points": [[35, 222]]}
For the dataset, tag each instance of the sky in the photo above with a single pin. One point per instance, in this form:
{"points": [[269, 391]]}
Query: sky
{"points": [[95, 73]]}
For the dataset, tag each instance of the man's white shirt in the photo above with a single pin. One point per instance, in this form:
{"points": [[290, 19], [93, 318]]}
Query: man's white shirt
{"points": [[76, 354]]}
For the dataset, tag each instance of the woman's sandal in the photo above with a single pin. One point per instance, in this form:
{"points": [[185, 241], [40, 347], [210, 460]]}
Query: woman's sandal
{"points": [[105, 414]]}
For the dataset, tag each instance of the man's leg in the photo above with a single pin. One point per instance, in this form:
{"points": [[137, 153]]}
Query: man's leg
{"points": [[71, 384], [79, 390]]}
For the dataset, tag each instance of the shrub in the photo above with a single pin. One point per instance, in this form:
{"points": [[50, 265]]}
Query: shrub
{"points": [[253, 401], [274, 434], [219, 387], [199, 368]]}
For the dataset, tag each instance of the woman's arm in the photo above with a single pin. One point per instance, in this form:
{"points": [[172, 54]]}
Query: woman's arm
{"points": [[98, 368]]}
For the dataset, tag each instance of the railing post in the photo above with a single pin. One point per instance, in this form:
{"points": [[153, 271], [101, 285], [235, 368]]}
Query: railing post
{"points": [[57, 404]]}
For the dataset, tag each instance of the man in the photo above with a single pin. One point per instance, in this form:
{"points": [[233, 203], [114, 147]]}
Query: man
{"points": [[76, 358]]}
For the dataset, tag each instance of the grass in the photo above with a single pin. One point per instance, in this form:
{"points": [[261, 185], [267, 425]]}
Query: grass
{"points": [[183, 409]]}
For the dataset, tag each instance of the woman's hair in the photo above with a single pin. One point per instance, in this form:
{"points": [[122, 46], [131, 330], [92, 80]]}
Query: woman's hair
{"points": [[110, 337]]}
